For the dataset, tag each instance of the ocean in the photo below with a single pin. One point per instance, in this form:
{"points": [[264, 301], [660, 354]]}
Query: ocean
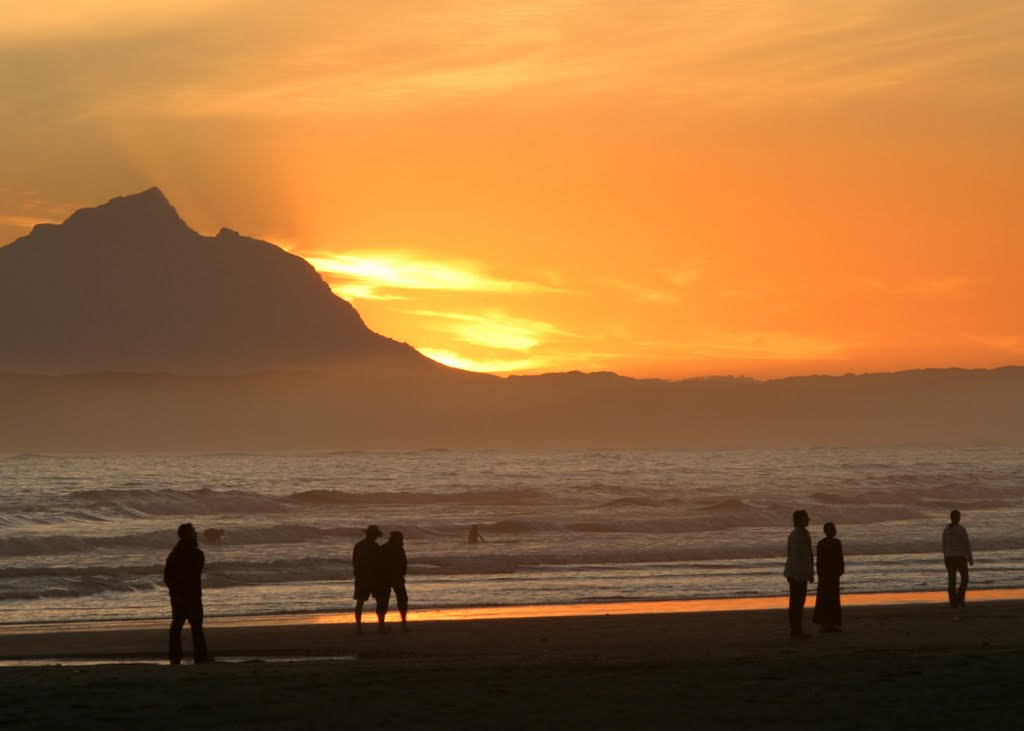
{"points": [[84, 538]]}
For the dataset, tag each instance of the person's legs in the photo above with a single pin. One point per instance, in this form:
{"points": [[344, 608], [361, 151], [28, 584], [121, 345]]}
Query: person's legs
{"points": [[951, 568], [797, 598], [402, 599], [965, 575], [174, 644], [195, 622], [383, 598], [359, 615], [837, 608]]}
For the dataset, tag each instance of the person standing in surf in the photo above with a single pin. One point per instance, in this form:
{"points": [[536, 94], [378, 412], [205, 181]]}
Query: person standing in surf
{"points": [[827, 611], [799, 571], [366, 571], [183, 576]]}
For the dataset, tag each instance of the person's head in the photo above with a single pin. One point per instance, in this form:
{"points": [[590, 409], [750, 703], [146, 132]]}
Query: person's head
{"points": [[187, 532], [830, 530], [372, 532], [954, 517], [396, 537], [801, 519]]}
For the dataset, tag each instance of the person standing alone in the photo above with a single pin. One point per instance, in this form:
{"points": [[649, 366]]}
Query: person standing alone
{"points": [[183, 573], [799, 571], [956, 550]]}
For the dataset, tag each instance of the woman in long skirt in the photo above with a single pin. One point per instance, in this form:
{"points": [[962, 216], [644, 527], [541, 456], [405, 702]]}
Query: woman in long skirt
{"points": [[827, 611]]}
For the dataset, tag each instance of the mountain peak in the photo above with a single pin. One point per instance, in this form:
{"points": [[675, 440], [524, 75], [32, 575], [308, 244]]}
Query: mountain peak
{"points": [[128, 286], [147, 209], [151, 196]]}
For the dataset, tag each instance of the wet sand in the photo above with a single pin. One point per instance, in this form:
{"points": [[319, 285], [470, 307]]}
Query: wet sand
{"points": [[894, 666]]}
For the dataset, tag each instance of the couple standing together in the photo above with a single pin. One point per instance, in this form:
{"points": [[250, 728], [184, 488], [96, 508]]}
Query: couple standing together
{"points": [[379, 569], [799, 572]]}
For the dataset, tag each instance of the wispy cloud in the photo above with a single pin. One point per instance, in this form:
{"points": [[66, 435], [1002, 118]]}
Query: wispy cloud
{"points": [[21, 210], [667, 286], [939, 287], [725, 54], [760, 345], [19, 221], [486, 365], [493, 329], [1013, 344], [58, 19], [357, 275], [947, 286]]}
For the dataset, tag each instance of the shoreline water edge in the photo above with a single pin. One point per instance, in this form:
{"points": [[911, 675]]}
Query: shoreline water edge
{"points": [[893, 666], [31, 642]]}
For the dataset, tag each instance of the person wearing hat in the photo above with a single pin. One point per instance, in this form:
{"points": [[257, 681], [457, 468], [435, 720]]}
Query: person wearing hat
{"points": [[366, 571], [183, 577]]}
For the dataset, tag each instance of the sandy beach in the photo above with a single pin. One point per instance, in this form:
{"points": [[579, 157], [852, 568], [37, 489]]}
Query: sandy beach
{"points": [[895, 666]]}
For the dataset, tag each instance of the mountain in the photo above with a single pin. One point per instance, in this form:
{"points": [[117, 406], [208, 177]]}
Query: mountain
{"points": [[122, 329], [128, 286]]}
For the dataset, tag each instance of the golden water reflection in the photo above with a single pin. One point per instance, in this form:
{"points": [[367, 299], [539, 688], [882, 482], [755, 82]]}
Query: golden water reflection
{"points": [[658, 607]]}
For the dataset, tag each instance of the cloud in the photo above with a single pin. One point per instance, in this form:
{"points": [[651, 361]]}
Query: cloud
{"points": [[760, 345], [1007, 343], [382, 274], [948, 286], [317, 57], [489, 365], [23, 222], [21, 210], [493, 329], [939, 287], [61, 19], [668, 287]]}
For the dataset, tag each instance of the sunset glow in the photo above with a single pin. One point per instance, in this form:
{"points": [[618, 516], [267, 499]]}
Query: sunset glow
{"points": [[670, 606], [658, 189]]}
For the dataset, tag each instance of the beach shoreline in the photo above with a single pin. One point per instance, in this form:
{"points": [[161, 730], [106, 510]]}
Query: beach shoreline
{"points": [[524, 611], [331, 634], [893, 666]]}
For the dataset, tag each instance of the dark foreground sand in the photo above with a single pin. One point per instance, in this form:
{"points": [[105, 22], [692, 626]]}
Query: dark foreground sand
{"points": [[909, 666]]}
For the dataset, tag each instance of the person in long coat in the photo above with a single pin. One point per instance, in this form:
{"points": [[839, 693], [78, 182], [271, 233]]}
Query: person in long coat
{"points": [[827, 610]]}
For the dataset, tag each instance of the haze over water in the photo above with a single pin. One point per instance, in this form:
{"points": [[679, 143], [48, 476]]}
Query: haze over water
{"points": [[84, 537]]}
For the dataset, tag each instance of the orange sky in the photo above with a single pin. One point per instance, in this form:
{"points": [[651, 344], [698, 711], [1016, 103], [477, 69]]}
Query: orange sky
{"points": [[661, 189]]}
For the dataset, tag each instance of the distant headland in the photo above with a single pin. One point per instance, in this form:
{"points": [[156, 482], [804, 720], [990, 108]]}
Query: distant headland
{"points": [[122, 329]]}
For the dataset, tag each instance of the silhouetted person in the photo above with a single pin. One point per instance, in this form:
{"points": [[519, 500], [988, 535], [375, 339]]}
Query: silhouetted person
{"points": [[799, 571], [956, 549], [183, 577], [827, 611], [474, 535], [366, 571], [394, 565]]}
